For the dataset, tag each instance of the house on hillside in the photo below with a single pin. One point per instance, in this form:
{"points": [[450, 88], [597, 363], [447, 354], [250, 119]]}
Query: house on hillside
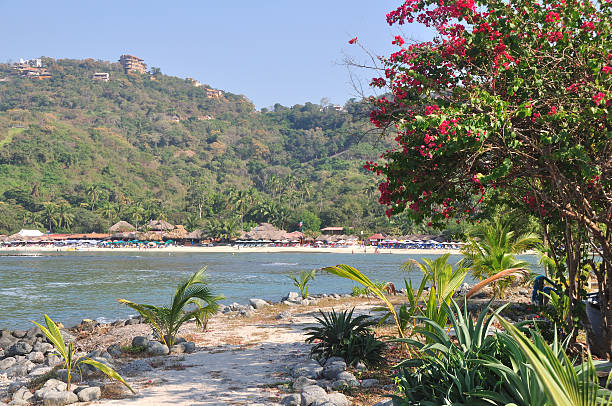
{"points": [[101, 76], [213, 93], [132, 64], [332, 230]]}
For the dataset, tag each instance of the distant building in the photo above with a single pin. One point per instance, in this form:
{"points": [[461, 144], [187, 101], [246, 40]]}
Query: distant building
{"points": [[194, 82], [102, 76], [132, 64], [31, 68], [213, 93], [333, 230]]}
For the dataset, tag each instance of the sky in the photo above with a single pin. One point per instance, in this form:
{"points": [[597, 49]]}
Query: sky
{"points": [[271, 51]]}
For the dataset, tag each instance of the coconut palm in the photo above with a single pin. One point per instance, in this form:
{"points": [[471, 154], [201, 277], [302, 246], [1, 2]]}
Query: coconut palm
{"points": [[166, 321], [492, 249]]}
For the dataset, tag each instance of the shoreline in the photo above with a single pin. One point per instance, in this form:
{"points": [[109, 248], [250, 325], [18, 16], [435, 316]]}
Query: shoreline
{"points": [[235, 250]]}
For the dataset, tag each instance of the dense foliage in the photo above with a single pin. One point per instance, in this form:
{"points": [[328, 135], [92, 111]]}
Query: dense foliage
{"points": [[78, 154], [510, 99]]}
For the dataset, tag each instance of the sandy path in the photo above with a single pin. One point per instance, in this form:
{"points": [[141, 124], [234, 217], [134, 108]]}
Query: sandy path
{"points": [[237, 362]]}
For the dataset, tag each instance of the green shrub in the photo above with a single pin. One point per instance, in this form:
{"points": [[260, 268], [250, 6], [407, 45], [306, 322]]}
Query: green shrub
{"points": [[341, 335], [302, 280]]}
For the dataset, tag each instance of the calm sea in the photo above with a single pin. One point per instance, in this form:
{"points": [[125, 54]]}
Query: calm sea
{"points": [[72, 286]]}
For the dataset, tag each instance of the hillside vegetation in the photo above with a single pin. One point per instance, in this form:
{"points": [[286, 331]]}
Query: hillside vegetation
{"points": [[78, 155]]}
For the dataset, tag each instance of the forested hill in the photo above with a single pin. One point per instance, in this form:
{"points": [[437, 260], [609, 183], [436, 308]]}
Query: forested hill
{"points": [[78, 154]]}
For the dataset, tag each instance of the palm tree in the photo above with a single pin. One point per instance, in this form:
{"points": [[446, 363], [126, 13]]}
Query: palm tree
{"points": [[50, 215], [65, 216], [108, 210], [166, 321], [241, 200], [94, 192], [492, 249]]}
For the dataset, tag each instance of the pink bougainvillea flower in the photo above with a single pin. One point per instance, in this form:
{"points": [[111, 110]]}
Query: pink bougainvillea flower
{"points": [[598, 97], [353, 40]]}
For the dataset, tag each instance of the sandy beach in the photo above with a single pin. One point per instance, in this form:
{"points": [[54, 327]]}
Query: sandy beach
{"points": [[231, 249]]}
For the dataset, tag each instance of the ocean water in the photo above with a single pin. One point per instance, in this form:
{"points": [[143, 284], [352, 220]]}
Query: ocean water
{"points": [[71, 286]]}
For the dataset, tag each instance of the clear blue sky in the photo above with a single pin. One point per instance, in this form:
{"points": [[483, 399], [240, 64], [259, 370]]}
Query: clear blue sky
{"points": [[271, 51]]}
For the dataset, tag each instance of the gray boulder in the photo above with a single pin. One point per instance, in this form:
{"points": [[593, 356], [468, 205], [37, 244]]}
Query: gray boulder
{"points": [[19, 333], [385, 403], [140, 341], [183, 347], [42, 347], [18, 402], [309, 369], [135, 368], [258, 303], [157, 348], [36, 357], [17, 370], [39, 371], [89, 394], [53, 360], [301, 382], [331, 370], [53, 398], [295, 399], [312, 394], [23, 394], [245, 313], [344, 379], [7, 339], [114, 350], [7, 363], [369, 383], [338, 399], [292, 297], [19, 348]]}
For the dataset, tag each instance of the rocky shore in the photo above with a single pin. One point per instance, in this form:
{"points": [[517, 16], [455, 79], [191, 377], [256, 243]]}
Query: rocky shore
{"points": [[252, 353]]}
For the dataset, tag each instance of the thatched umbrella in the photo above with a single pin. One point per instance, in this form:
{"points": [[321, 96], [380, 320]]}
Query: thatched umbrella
{"points": [[195, 235], [121, 227], [159, 225]]}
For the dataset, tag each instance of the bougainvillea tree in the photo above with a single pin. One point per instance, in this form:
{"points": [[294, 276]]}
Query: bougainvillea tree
{"points": [[513, 97]]}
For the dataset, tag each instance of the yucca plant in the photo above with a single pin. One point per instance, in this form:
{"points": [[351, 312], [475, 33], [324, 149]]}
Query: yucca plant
{"points": [[166, 321], [73, 362], [341, 335], [302, 280]]}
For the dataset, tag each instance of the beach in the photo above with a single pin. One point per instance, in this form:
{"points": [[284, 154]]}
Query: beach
{"points": [[235, 249]]}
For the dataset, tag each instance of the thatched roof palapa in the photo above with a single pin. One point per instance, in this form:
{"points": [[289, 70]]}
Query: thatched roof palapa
{"points": [[159, 225], [195, 235], [121, 227], [179, 233], [149, 236]]}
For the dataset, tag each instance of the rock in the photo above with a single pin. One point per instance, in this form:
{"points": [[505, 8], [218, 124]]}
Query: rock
{"points": [[22, 393], [301, 382], [14, 386], [7, 363], [140, 341], [40, 371], [19, 333], [18, 402], [7, 339], [331, 370], [245, 313], [53, 398], [114, 350], [176, 349], [312, 394], [258, 303], [179, 340], [89, 394], [67, 336], [130, 322], [19, 348], [338, 399], [89, 371], [189, 347], [42, 347], [157, 348], [184, 347], [385, 403], [283, 315], [62, 375], [34, 332], [310, 369], [36, 357], [135, 368], [294, 399], [116, 390], [369, 383], [17, 370], [88, 324], [53, 360], [292, 297], [348, 377], [288, 303], [361, 366], [118, 323]]}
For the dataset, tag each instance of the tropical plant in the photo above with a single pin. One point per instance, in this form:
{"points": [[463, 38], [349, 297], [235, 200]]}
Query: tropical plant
{"points": [[302, 280], [562, 382], [341, 335], [492, 249], [166, 321], [446, 370], [348, 272], [445, 280], [71, 360], [207, 309], [362, 290]]}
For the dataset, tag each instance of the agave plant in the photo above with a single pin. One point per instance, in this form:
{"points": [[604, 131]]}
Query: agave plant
{"points": [[302, 280], [341, 335], [73, 362], [348, 272], [166, 321]]}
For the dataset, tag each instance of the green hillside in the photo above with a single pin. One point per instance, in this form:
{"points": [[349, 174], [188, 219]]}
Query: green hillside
{"points": [[78, 154]]}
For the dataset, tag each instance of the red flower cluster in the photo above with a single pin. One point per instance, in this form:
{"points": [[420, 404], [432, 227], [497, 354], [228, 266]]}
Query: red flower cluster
{"points": [[399, 41], [352, 40], [598, 97], [552, 17]]}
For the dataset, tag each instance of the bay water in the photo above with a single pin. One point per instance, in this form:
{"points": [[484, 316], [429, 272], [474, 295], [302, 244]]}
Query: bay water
{"points": [[71, 286]]}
